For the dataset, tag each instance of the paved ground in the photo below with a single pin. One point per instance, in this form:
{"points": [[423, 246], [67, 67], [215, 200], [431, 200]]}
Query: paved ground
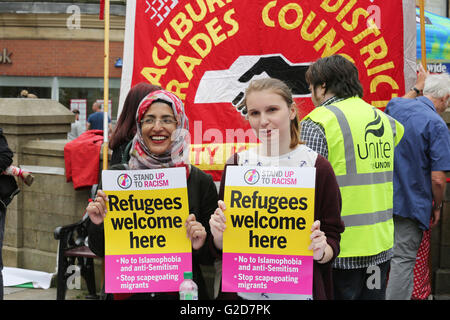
{"points": [[12, 293]]}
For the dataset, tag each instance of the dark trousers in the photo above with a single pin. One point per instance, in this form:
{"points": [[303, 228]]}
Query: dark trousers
{"points": [[2, 232], [361, 284]]}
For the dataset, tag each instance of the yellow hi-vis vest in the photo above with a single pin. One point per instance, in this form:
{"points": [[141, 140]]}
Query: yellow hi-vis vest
{"points": [[361, 141]]}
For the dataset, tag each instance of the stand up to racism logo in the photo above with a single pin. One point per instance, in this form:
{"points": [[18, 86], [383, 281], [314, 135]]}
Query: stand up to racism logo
{"points": [[124, 181], [251, 176]]}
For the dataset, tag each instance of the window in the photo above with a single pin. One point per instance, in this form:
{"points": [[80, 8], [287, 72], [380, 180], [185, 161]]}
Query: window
{"points": [[63, 89]]}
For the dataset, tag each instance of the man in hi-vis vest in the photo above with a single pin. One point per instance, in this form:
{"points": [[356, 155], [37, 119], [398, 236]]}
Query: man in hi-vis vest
{"points": [[359, 141]]}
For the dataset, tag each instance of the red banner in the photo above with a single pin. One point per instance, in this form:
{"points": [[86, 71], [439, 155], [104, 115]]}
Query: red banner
{"points": [[101, 13], [207, 51]]}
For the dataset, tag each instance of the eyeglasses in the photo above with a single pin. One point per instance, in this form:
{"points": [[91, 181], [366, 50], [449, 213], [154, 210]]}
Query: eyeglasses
{"points": [[166, 122]]}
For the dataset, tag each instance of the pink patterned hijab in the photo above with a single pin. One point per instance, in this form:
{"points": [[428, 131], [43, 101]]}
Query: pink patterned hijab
{"points": [[140, 155]]}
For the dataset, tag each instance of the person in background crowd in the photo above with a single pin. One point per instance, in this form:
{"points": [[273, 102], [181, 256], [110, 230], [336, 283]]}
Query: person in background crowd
{"points": [[77, 127], [272, 114], [95, 120], [26, 94], [347, 130], [23, 94], [420, 164]]}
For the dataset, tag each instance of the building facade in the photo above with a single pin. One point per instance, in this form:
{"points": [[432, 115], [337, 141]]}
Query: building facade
{"points": [[55, 50]]}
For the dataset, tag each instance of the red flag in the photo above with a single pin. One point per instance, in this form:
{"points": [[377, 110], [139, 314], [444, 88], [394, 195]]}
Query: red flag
{"points": [[102, 9], [209, 58]]}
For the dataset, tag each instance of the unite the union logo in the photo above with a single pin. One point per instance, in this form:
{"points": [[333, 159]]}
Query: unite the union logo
{"points": [[251, 176], [124, 181]]}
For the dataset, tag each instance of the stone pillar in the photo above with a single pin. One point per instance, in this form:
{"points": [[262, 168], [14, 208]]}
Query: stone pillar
{"points": [[23, 121], [50, 202]]}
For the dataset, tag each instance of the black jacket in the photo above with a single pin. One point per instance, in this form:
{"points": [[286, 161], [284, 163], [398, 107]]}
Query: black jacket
{"points": [[8, 184]]}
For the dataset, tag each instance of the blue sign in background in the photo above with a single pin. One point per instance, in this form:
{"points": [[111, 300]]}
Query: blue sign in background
{"points": [[437, 32]]}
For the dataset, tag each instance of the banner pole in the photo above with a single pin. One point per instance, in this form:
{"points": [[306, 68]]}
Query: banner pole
{"points": [[106, 88], [422, 34]]}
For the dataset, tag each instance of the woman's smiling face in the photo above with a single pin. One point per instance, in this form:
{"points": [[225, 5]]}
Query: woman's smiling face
{"points": [[157, 125], [270, 117]]}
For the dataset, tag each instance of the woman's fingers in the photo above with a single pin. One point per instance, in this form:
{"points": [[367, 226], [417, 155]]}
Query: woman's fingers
{"points": [[318, 239], [218, 214], [97, 209], [95, 212], [318, 243], [315, 225], [196, 231], [193, 227], [218, 220], [316, 234]]}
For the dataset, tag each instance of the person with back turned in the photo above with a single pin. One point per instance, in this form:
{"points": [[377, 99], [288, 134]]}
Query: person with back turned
{"points": [[359, 141], [421, 162], [95, 120]]}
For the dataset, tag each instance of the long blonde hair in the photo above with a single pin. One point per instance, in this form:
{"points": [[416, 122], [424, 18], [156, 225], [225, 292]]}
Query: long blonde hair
{"points": [[278, 87]]}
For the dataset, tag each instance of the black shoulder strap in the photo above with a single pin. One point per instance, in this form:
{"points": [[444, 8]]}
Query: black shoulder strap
{"points": [[126, 152]]}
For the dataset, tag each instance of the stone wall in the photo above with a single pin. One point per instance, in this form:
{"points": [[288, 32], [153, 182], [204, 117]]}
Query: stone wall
{"points": [[36, 130], [50, 201]]}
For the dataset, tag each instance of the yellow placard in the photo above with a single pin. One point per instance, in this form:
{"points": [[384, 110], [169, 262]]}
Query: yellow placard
{"points": [[268, 220], [146, 221]]}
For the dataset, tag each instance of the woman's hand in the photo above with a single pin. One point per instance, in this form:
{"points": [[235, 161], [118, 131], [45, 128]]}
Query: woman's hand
{"points": [[318, 243], [195, 232], [96, 209], [217, 224]]}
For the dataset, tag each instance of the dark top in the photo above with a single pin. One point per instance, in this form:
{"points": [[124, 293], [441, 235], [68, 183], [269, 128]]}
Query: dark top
{"points": [[96, 120], [328, 204], [118, 153], [8, 185], [202, 196]]}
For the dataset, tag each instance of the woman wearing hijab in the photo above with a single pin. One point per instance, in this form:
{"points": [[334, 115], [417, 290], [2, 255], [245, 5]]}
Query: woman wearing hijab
{"points": [[125, 128], [160, 142]]}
